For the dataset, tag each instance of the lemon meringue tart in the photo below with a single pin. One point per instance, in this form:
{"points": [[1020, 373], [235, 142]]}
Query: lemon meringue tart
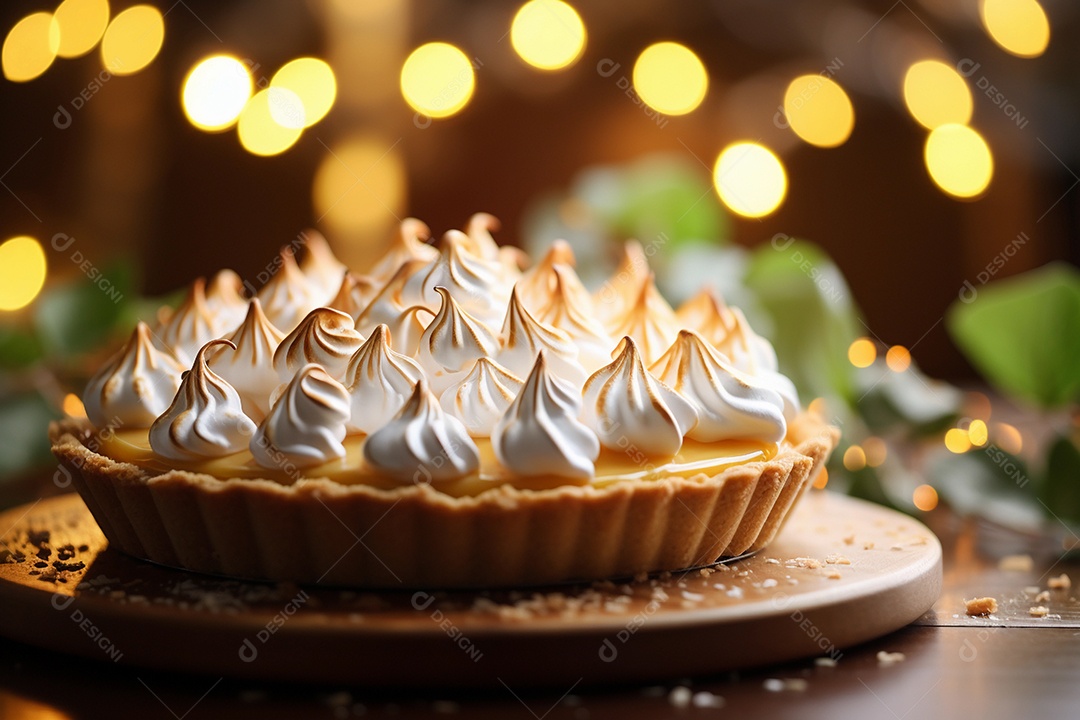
{"points": [[452, 418]]}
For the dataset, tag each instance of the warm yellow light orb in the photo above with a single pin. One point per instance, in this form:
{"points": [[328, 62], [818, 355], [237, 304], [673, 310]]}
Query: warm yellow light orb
{"points": [[133, 39], [898, 358], [978, 433], [670, 78], [925, 498], [259, 132], [437, 80], [30, 47], [22, 272], [854, 458], [819, 111], [215, 92], [862, 353], [1020, 27], [936, 94], [548, 34], [313, 82], [750, 179], [959, 161], [82, 23], [957, 441]]}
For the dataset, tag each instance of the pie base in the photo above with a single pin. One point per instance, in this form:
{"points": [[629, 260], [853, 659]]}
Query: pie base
{"points": [[321, 531]]}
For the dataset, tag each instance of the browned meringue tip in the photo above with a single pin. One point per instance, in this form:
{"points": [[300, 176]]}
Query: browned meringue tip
{"points": [[414, 230], [485, 221]]}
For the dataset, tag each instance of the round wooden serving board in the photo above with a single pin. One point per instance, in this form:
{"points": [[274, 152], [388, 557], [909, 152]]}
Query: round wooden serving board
{"points": [[842, 572]]}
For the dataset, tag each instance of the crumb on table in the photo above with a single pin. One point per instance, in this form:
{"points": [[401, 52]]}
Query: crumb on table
{"points": [[981, 606], [1061, 582]]}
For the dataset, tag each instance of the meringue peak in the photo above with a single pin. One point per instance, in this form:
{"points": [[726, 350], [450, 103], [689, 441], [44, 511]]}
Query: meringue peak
{"points": [[566, 312], [730, 404], [319, 263], [354, 293], [306, 426], [477, 283], [629, 409], [289, 295], [325, 337], [524, 337], [453, 341], [135, 386], [389, 301], [480, 398], [539, 434], [379, 381], [708, 314], [192, 325], [650, 321], [409, 244], [249, 368], [619, 291], [205, 418], [422, 444]]}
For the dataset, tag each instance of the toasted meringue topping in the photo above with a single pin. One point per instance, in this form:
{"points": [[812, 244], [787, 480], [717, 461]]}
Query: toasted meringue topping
{"points": [[619, 293], [650, 321], [225, 298], [135, 386], [539, 434], [354, 294], [539, 283], [477, 284], [191, 326], [731, 405], [524, 337], [707, 314], [755, 355], [249, 367], [289, 296], [410, 244], [205, 419], [319, 264], [389, 302], [565, 312], [325, 337], [452, 343], [481, 397], [422, 444], [306, 425], [408, 327], [379, 381], [478, 232], [629, 408]]}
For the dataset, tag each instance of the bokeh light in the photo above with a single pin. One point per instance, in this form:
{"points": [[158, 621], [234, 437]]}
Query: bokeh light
{"points": [[1019, 27], [978, 433], [898, 358], [957, 441], [936, 94], [437, 80], [959, 160], [925, 498], [822, 479], [1008, 438], [548, 34], [750, 179], [259, 132], [133, 39], [215, 92], [73, 406], [22, 272], [82, 23], [819, 111], [30, 47], [359, 185], [670, 78], [876, 451], [862, 353], [854, 458], [313, 82]]}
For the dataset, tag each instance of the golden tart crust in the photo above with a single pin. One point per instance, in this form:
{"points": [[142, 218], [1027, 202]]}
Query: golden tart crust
{"points": [[321, 531]]}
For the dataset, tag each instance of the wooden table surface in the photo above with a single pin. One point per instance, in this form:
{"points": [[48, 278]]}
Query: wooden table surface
{"points": [[1009, 666]]}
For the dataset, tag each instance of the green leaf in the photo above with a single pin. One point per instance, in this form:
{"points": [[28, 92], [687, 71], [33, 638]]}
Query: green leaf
{"points": [[990, 483], [24, 422], [80, 315], [1060, 488], [813, 315], [19, 347], [1023, 334]]}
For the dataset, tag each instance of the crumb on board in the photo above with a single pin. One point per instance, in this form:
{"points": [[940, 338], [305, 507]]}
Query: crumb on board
{"points": [[785, 685], [825, 662], [836, 560], [680, 696], [1016, 563], [1039, 611], [850, 539], [981, 606], [1043, 596], [705, 699], [1061, 582], [890, 658]]}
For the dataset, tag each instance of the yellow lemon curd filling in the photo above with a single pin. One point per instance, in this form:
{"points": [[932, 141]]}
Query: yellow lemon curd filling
{"points": [[694, 458]]}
